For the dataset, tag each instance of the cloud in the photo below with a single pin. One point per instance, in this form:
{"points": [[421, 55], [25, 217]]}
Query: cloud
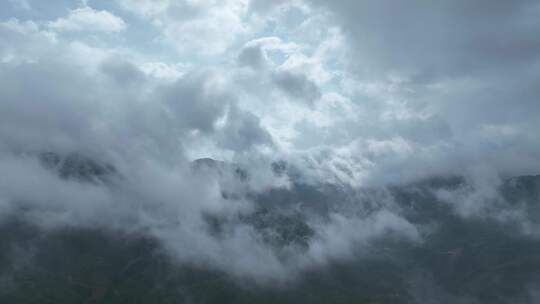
{"points": [[193, 27], [24, 41], [253, 56], [241, 131], [439, 89], [140, 127], [87, 19], [289, 77], [196, 101], [319, 110], [460, 40], [297, 86], [264, 6], [122, 72], [255, 52], [342, 237]]}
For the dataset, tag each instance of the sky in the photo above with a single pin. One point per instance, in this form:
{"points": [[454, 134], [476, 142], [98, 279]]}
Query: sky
{"points": [[356, 93]]}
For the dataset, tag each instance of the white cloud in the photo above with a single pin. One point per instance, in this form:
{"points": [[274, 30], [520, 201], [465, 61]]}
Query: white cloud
{"points": [[205, 27], [89, 20]]}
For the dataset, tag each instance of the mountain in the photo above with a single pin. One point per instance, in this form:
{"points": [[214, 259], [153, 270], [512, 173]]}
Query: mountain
{"points": [[461, 259], [78, 167]]}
